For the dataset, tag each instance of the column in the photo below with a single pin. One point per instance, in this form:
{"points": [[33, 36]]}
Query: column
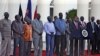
{"points": [[95, 9], [83, 9]]}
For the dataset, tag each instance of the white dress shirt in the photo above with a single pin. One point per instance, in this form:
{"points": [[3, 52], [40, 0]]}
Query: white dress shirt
{"points": [[92, 24], [83, 23], [49, 27]]}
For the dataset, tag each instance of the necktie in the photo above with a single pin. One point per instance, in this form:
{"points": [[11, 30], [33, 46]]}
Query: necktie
{"points": [[76, 24], [83, 24], [93, 26]]}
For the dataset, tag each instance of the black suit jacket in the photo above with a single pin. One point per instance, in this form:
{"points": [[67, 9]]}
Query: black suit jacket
{"points": [[98, 32], [75, 33], [90, 30]]}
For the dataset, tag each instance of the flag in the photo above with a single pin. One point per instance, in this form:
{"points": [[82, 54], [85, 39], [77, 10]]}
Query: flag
{"points": [[21, 13], [35, 13], [28, 11]]}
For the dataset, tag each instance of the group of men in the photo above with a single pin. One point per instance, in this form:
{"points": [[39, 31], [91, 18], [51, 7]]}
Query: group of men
{"points": [[61, 35], [22, 33]]}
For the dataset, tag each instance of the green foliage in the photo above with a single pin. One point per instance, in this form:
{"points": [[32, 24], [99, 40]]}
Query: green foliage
{"points": [[72, 13]]}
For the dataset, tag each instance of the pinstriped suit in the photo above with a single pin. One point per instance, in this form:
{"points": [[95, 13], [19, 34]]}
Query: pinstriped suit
{"points": [[37, 39], [5, 29]]}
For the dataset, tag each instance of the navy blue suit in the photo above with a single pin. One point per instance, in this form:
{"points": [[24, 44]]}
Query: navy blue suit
{"points": [[98, 38], [82, 42], [75, 36], [92, 35], [75, 33], [90, 29]]}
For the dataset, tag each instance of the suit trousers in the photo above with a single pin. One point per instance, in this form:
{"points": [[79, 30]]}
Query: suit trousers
{"points": [[68, 44], [6, 46], [19, 41], [38, 45], [98, 45], [60, 45], [81, 44], [27, 48], [74, 47], [16, 43], [55, 44], [93, 43], [49, 45]]}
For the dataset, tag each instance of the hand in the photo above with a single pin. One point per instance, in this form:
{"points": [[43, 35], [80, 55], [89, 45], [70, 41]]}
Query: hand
{"points": [[21, 34], [68, 32], [12, 37], [63, 33], [31, 39], [40, 34], [52, 33], [3, 38]]}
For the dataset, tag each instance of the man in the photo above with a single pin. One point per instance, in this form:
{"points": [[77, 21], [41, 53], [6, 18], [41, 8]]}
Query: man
{"points": [[5, 29], [27, 36], [91, 28], [98, 36], [55, 18], [17, 30], [60, 26], [50, 32], [68, 22], [83, 27], [75, 36], [37, 35]]}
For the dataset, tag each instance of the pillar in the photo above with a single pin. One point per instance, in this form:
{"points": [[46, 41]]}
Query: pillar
{"points": [[95, 9], [83, 9]]}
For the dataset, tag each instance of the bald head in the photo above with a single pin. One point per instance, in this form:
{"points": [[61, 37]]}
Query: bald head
{"points": [[17, 17], [38, 16], [76, 19], [82, 18], [6, 15], [92, 19], [60, 15]]}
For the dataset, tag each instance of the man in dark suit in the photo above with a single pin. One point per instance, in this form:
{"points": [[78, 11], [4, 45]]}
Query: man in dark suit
{"points": [[91, 28], [98, 36], [82, 42], [75, 36]]}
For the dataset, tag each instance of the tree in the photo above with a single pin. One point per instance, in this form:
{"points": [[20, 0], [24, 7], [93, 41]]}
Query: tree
{"points": [[72, 13]]}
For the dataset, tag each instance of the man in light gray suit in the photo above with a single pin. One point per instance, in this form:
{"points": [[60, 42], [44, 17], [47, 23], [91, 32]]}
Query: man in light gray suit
{"points": [[5, 29], [37, 35], [68, 22]]}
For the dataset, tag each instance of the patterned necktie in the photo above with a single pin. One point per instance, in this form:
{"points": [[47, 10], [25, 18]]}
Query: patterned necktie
{"points": [[76, 24], [83, 24], [93, 26]]}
